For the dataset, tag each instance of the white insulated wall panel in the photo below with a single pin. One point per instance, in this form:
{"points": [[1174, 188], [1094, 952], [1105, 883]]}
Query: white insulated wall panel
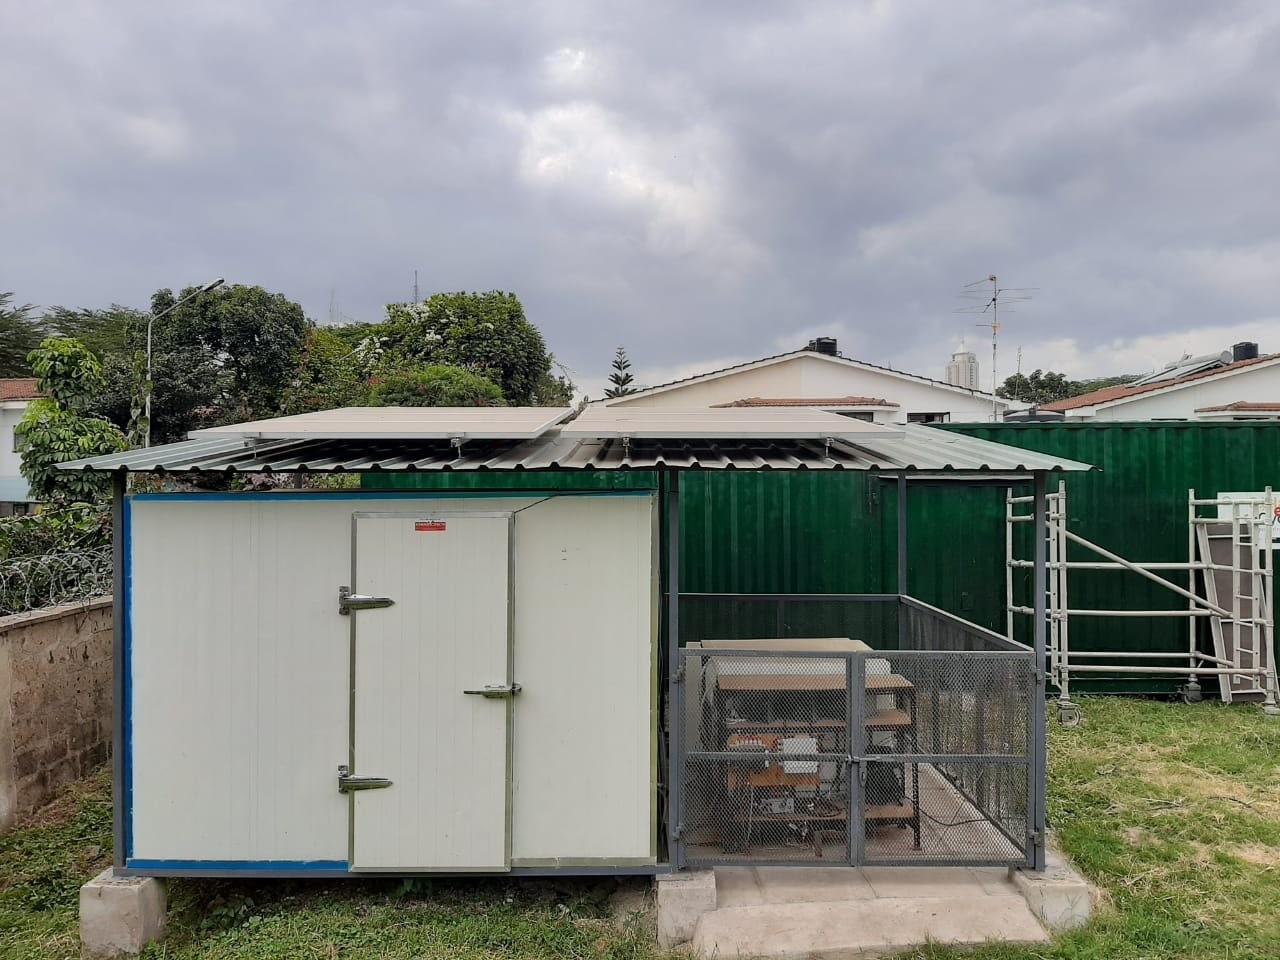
{"points": [[239, 675], [584, 653]]}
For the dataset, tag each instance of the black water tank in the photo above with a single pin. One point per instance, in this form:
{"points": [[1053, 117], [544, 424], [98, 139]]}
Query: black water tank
{"points": [[1244, 350], [825, 345]]}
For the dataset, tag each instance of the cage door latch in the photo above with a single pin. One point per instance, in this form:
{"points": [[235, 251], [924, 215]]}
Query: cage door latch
{"points": [[348, 601], [496, 691], [347, 783]]}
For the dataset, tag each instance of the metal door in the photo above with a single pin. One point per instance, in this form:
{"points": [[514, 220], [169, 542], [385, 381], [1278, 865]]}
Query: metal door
{"points": [[431, 689]]}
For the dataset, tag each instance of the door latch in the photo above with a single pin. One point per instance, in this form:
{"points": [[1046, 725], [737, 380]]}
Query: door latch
{"points": [[495, 691], [348, 783], [348, 601]]}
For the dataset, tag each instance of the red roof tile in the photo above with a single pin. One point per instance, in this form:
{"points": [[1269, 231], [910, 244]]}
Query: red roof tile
{"points": [[1243, 406], [1107, 394], [18, 388]]}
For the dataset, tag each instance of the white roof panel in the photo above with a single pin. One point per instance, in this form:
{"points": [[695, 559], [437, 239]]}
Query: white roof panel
{"points": [[755, 423], [398, 423]]}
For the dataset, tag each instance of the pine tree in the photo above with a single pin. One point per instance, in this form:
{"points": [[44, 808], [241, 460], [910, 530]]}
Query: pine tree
{"points": [[620, 380]]}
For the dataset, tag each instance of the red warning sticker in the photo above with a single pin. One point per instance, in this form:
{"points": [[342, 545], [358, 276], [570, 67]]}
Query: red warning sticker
{"points": [[429, 526]]}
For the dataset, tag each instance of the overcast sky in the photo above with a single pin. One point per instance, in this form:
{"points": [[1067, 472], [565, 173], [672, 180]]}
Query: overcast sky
{"points": [[702, 183]]}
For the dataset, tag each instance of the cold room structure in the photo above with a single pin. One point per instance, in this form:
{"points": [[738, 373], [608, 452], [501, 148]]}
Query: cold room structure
{"points": [[336, 682]]}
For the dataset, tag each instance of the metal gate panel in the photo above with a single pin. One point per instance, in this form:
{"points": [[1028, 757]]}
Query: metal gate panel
{"points": [[431, 692], [860, 757]]}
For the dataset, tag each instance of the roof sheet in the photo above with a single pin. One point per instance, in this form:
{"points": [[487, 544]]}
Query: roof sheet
{"points": [[402, 423], [918, 449], [801, 423], [1124, 391], [808, 402]]}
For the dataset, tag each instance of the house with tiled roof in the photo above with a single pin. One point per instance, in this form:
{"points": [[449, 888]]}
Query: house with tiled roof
{"points": [[1237, 384], [819, 376], [15, 394]]}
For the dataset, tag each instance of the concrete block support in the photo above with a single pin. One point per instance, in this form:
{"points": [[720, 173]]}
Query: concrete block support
{"points": [[1058, 895], [682, 899], [119, 916]]}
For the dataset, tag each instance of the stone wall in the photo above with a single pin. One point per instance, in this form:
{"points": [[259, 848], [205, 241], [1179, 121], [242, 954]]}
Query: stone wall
{"points": [[55, 701]]}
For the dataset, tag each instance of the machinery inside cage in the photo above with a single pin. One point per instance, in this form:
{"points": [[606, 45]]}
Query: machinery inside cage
{"points": [[894, 743]]}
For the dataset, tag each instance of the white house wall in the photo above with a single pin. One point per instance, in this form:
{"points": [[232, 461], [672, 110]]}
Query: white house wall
{"points": [[239, 676], [1259, 384], [810, 376], [12, 484]]}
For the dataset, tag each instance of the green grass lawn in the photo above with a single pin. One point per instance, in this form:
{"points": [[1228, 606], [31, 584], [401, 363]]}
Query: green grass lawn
{"points": [[1173, 810]]}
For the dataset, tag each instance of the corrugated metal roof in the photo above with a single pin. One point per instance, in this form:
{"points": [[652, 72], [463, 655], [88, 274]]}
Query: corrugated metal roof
{"points": [[823, 402], [736, 423], [398, 423], [918, 449]]}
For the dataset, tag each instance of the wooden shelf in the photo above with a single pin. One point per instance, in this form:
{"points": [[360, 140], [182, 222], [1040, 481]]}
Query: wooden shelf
{"points": [[889, 811], [888, 720], [792, 817]]}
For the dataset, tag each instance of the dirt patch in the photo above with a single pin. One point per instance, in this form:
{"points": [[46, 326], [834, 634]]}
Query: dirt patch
{"points": [[1196, 784], [64, 807], [1257, 854], [1137, 836]]}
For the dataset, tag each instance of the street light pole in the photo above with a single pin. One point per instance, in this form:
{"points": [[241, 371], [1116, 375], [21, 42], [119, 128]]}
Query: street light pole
{"points": [[152, 318]]}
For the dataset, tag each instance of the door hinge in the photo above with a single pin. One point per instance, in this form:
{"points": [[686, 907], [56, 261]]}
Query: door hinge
{"points": [[678, 832], [678, 676], [348, 601], [496, 691], [347, 783]]}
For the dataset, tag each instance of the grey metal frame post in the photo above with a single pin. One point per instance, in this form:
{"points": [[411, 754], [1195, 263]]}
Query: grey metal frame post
{"points": [[1040, 620], [675, 674], [119, 481], [902, 558]]}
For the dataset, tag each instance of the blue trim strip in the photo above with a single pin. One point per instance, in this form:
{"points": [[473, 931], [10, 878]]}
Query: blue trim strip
{"points": [[513, 494], [127, 686], [240, 866]]}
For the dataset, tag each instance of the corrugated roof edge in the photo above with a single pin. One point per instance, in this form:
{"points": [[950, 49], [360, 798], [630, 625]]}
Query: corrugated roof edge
{"points": [[921, 449]]}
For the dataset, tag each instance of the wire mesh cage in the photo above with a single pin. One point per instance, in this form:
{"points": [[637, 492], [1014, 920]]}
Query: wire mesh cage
{"points": [[827, 749]]}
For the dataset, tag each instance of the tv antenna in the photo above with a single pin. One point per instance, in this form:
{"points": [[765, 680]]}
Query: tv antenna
{"points": [[991, 303]]}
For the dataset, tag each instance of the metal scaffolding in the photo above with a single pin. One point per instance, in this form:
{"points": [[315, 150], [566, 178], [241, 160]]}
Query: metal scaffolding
{"points": [[1229, 570]]}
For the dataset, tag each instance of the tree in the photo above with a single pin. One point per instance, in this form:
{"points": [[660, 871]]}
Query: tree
{"points": [[330, 373], [20, 333], [106, 332], [1041, 387], [58, 427], [437, 385], [187, 395], [621, 379], [253, 338], [553, 390], [486, 333]]}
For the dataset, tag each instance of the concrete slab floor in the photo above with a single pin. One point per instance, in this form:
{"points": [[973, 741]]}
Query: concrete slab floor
{"points": [[785, 912]]}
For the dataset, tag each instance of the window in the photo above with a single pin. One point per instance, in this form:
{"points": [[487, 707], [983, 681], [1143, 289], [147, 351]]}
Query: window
{"points": [[928, 417], [865, 415]]}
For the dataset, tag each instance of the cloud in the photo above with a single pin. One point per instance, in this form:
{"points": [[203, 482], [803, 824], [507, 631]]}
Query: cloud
{"points": [[699, 182]]}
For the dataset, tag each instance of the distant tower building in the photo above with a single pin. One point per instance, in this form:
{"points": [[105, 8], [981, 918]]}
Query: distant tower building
{"points": [[962, 371]]}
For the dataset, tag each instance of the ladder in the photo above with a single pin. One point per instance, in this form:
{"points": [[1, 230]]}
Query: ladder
{"points": [[1234, 555]]}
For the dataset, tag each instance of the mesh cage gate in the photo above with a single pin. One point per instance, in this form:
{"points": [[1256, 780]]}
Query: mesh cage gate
{"points": [[839, 758]]}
